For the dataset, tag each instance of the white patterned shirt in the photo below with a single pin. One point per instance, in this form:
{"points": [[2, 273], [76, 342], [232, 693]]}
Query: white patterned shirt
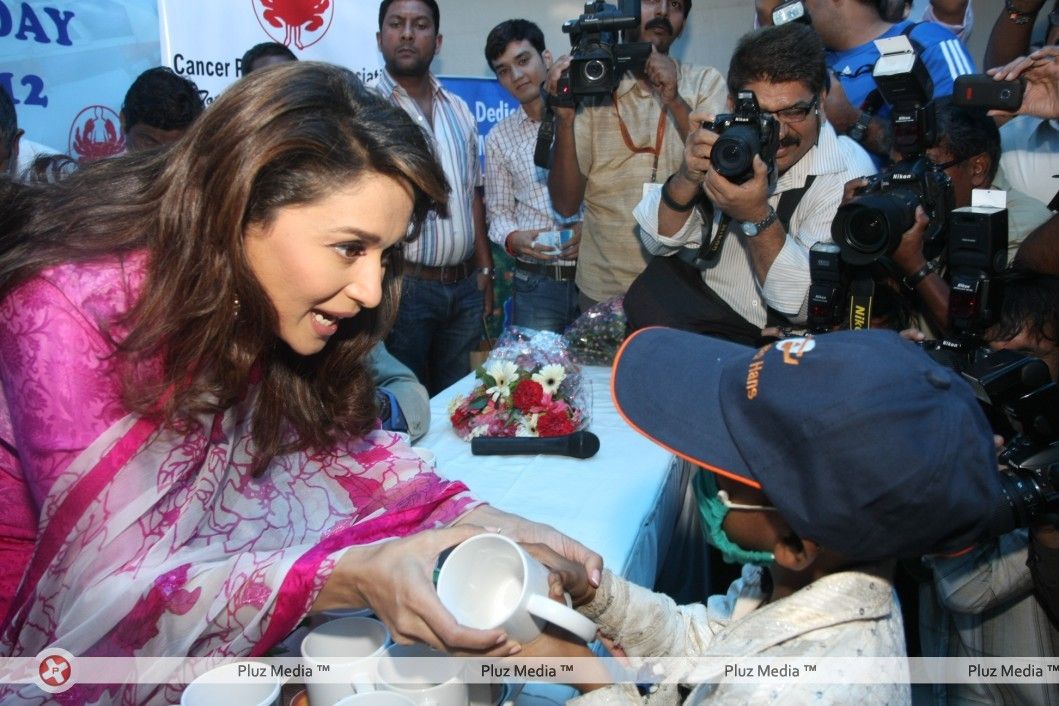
{"points": [[454, 135], [786, 286], [516, 189], [845, 614]]}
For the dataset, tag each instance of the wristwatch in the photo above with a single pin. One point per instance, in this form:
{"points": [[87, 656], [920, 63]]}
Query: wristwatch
{"points": [[752, 229], [860, 128]]}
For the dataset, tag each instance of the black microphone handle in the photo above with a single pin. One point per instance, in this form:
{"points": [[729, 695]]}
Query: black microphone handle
{"points": [[580, 444]]}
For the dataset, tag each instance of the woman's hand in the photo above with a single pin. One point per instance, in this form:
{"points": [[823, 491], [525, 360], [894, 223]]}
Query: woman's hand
{"points": [[527, 532], [395, 579]]}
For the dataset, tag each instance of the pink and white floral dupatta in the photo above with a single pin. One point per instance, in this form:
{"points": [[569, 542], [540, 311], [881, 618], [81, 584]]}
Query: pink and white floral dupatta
{"points": [[152, 543]]}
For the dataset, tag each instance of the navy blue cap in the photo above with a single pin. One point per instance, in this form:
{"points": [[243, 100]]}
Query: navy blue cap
{"points": [[864, 444]]}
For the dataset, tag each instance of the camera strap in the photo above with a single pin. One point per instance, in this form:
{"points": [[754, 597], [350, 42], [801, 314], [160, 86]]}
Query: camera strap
{"points": [[542, 151], [709, 253], [660, 134], [861, 296]]}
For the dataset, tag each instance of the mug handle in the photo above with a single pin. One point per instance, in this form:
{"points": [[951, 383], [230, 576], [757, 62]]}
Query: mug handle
{"points": [[558, 614], [362, 683]]}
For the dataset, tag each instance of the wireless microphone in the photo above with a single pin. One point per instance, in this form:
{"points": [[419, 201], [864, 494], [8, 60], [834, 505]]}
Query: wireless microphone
{"points": [[580, 444]]}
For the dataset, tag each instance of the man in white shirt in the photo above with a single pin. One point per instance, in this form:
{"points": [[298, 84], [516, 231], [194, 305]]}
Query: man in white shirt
{"points": [[761, 264]]}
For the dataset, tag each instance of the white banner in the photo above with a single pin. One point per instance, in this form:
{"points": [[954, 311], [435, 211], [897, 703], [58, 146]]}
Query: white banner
{"points": [[204, 40], [67, 65]]}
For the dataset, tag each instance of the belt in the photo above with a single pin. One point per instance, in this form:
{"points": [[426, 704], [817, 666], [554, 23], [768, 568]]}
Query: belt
{"points": [[446, 274], [561, 273]]}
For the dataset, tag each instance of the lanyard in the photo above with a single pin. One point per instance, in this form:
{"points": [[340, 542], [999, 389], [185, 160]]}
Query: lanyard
{"points": [[660, 133]]}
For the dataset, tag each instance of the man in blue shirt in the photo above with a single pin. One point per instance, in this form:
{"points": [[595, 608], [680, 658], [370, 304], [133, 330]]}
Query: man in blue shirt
{"points": [[849, 29]]}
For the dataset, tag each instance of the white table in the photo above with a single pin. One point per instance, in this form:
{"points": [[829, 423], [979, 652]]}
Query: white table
{"points": [[622, 502]]}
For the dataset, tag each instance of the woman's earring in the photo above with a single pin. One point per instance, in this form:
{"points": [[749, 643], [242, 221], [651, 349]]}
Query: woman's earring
{"points": [[235, 305]]}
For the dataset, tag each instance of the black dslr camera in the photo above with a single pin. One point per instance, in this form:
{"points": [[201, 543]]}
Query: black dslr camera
{"points": [[598, 57], [870, 226], [743, 134], [1023, 404]]}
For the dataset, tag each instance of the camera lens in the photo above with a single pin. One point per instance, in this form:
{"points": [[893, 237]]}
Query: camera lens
{"points": [[871, 226], [594, 70], [733, 153]]}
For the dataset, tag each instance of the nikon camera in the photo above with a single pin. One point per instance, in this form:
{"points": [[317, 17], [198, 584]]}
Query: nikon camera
{"points": [[870, 225], [743, 134]]}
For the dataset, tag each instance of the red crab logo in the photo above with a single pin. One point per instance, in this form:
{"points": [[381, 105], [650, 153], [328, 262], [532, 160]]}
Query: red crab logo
{"points": [[304, 22], [95, 134]]}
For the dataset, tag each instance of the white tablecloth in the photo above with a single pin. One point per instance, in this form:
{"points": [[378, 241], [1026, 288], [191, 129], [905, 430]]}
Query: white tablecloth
{"points": [[622, 502]]}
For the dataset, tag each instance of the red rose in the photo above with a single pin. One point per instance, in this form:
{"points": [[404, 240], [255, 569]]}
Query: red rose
{"points": [[528, 394], [460, 416], [549, 424]]}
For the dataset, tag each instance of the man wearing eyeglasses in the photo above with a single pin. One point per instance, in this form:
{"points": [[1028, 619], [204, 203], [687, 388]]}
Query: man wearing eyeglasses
{"points": [[760, 273]]}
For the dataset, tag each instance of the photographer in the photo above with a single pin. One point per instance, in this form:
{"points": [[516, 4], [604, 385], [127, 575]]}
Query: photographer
{"points": [[982, 603], [968, 150], [762, 263], [612, 145]]}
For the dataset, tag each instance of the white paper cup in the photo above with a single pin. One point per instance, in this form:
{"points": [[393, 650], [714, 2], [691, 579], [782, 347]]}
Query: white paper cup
{"points": [[489, 581], [424, 675], [346, 646], [225, 685]]}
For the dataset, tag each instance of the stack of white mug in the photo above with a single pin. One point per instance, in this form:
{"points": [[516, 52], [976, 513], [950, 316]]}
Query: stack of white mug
{"points": [[486, 582]]}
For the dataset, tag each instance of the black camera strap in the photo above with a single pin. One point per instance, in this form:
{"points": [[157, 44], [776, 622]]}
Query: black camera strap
{"points": [[709, 252], [542, 152], [861, 296]]}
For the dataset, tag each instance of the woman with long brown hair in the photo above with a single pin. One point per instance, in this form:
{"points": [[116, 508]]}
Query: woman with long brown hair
{"points": [[187, 425]]}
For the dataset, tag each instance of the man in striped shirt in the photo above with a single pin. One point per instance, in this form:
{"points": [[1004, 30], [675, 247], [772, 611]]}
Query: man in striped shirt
{"points": [[516, 190], [760, 274], [447, 287]]}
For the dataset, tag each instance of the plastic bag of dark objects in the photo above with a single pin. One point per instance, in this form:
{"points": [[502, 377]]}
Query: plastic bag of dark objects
{"points": [[595, 336]]}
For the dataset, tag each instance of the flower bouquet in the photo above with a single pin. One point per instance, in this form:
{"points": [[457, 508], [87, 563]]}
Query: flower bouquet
{"points": [[528, 386]]}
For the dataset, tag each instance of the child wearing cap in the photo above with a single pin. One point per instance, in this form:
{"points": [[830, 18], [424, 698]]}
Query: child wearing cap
{"points": [[826, 459]]}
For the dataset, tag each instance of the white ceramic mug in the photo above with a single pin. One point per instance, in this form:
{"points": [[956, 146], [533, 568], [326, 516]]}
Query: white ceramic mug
{"points": [[346, 645], [489, 581], [376, 698], [424, 675], [226, 685]]}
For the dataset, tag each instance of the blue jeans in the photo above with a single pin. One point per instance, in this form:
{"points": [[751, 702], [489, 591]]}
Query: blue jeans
{"points": [[542, 303], [438, 325]]}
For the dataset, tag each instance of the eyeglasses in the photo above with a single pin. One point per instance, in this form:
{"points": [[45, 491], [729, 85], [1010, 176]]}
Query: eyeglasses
{"points": [[942, 166], [795, 113], [723, 497]]}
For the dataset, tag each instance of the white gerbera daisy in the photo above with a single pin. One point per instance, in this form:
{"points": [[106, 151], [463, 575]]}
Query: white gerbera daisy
{"points": [[527, 426], [504, 373], [550, 377]]}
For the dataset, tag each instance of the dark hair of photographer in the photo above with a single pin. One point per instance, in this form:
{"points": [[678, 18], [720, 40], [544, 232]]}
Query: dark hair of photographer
{"points": [[790, 52], [512, 31], [969, 146], [1029, 316]]}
